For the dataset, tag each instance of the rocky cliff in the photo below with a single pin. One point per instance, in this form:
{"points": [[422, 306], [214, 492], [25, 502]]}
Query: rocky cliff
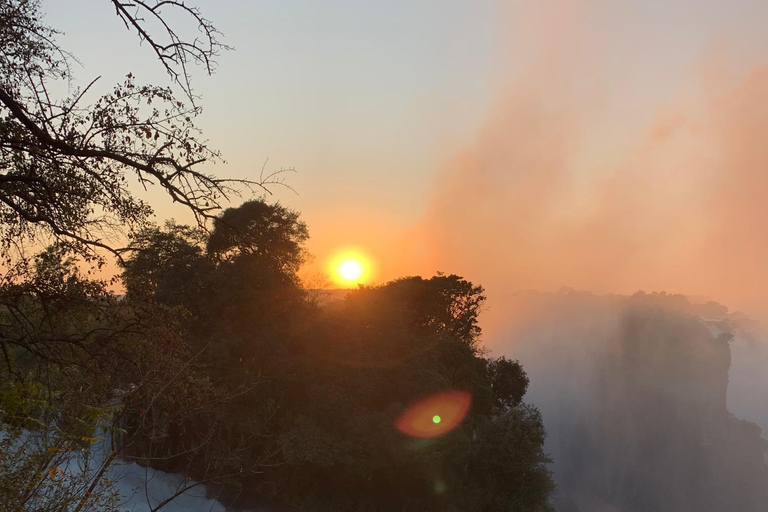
{"points": [[633, 393]]}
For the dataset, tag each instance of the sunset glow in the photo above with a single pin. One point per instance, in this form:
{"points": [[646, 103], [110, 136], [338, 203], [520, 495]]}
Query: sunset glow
{"points": [[350, 270], [349, 267], [454, 255]]}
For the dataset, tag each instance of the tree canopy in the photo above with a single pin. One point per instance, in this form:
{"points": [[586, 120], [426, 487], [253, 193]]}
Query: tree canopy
{"points": [[328, 383], [270, 232]]}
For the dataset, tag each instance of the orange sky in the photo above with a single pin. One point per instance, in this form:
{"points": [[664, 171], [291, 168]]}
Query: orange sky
{"points": [[608, 145], [562, 186]]}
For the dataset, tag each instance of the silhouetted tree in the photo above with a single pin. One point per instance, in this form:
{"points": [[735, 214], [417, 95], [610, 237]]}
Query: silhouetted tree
{"points": [[169, 265], [244, 307], [508, 468], [76, 360], [268, 233], [508, 381], [326, 384], [364, 362], [66, 163]]}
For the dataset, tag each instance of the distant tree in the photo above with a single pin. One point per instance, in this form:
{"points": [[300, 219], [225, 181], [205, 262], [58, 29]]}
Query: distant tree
{"points": [[169, 264], [507, 466], [508, 381], [442, 304], [248, 263], [269, 232]]}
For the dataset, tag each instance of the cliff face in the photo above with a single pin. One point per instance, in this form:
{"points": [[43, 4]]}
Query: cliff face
{"points": [[633, 393], [748, 377]]}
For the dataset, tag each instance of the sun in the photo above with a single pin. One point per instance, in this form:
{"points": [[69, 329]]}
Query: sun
{"points": [[349, 267], [350, 270]]}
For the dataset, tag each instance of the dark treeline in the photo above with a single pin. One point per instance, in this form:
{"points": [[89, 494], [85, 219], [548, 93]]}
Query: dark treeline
{"points": [[317, 390], [217, 364]]}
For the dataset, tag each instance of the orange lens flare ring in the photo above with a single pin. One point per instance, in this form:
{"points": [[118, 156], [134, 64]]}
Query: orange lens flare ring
{"points": [[435, 415]]}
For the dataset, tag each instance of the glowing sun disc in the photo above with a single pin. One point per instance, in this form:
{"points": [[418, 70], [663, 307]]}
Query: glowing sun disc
{"points": [[350, 270]]}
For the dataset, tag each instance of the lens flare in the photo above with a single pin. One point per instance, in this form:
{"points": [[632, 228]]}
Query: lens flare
{"points": [[435, 415]]}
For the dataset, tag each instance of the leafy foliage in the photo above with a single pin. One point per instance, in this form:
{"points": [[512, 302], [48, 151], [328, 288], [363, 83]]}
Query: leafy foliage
{"points": [[508, 381], [269, 232]]}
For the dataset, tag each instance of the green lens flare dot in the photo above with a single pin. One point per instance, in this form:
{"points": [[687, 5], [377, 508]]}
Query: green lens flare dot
{"points": [[435, 419]]}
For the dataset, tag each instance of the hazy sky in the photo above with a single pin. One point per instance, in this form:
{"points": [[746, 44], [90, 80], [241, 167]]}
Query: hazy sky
{"points": [[607, 145], [362, 98]]}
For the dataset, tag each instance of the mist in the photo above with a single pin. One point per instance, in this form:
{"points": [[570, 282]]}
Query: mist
{"points": [[633, 391], [604, 165], [611, 163]]}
